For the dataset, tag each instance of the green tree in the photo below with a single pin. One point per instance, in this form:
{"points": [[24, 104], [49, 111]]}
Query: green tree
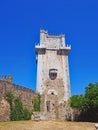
{"points": [[87, 101], [26, 114], [17, 110], [9, 98], [78, 101], [91, 94]]}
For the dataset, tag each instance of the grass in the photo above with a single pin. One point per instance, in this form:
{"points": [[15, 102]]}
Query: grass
{"points": [[46, 125]]}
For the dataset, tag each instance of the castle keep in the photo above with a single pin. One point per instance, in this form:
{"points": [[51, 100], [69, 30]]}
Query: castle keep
{"points": [[53, 81]]}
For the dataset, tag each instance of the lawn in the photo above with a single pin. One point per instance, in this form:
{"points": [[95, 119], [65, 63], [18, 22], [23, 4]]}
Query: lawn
{"points": [[46, 125]]}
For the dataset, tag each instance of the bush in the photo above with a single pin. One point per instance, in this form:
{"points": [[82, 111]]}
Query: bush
{"points": [[36, 102], [9, 98], [18, 112], [91, 93], [87, 101], [26, 114], [77, 101]]}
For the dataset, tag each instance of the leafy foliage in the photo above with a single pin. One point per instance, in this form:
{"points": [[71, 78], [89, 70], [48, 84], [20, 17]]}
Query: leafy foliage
{"points": [[26, 114], [87, 104], [78, 101], [36, 102], [87, 101], [18, 112], [9, 98], [91, 93]]}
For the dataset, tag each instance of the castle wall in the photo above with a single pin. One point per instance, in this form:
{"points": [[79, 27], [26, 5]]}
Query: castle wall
{"points": [[4, 110], [25, 94]]}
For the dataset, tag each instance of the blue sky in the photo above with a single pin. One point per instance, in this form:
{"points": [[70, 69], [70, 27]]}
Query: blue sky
{"points": [[20, 23]]}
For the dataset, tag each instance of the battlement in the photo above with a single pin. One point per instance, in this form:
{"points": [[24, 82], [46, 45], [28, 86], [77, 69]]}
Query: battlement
{"points": [[51, 41], [9, 79], [54, 36], [14, 86]]}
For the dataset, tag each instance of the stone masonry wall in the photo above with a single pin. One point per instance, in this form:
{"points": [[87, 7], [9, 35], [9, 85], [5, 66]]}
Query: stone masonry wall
{"points": [[4, 110], [24, 93]]}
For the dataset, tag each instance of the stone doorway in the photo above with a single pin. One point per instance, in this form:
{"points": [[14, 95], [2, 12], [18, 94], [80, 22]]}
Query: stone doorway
{"points": [[48, 106], [51, 106]]}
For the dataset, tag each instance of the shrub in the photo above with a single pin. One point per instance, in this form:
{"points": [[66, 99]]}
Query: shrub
{"points": [[18, 112], [9, 98], [36, 102]]}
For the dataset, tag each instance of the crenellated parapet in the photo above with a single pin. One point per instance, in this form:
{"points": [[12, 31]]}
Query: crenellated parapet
{"points": [[9, 79], [3, 78]]}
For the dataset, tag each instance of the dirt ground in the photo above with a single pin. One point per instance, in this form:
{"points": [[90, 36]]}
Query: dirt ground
{"points": [[46, 125]]}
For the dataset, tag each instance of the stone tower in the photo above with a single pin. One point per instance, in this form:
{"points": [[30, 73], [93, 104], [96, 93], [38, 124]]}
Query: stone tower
{"points": [[52, 73]]}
